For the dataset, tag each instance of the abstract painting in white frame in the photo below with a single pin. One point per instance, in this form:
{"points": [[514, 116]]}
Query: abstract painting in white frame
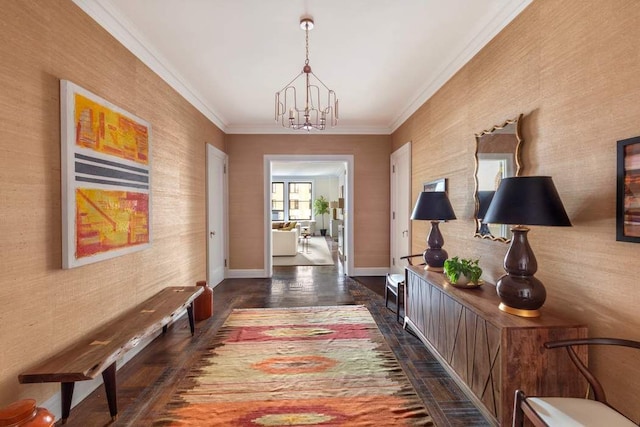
{"points": [[106, 178]]}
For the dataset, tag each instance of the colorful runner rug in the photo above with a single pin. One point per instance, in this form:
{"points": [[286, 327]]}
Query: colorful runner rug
{"points": [[318, 366]]}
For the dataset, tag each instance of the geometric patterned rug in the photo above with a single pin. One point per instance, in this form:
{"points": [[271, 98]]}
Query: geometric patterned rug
{"points": [[312, 366]]}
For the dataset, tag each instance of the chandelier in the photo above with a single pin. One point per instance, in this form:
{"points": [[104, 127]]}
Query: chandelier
{"points": [[308, 112]]}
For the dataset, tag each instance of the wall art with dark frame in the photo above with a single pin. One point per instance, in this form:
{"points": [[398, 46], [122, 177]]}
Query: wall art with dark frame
{"points": [[436, 185], [628, 191]]}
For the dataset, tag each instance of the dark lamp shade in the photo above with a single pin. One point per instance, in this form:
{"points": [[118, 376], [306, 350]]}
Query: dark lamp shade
{"points": [[484, 200], [527, 200], [432, 206]]}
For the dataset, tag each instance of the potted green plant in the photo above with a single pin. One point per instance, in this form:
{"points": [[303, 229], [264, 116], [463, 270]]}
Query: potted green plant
{"points": [[462, 271], [321, 207]]}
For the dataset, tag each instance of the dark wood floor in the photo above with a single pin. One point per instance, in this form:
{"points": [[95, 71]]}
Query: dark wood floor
{"points": [[146, 383]]}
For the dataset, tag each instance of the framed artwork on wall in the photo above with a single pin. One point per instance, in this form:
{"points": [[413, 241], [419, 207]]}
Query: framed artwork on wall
{"points": [[628, 191], [436, 185], [106, 178]]}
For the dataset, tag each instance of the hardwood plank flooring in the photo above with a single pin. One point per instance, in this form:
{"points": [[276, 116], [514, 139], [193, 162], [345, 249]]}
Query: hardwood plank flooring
{"points": [[146, 383]]}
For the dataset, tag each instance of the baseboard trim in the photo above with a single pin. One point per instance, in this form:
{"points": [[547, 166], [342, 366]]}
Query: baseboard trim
{"points": [[261, 274], [371, 271], [247, 274]]}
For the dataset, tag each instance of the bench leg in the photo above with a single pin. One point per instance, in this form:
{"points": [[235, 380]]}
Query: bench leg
{"points": [[66, 390], [109, 378], [190, 314]]}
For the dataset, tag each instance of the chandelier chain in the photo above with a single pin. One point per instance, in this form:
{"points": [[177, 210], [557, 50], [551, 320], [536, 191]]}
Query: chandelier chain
{"points": [[306, 30]]}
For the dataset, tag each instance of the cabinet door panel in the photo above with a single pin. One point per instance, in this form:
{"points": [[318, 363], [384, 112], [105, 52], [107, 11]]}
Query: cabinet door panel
{"points": [[459, 345], [448, 326]]}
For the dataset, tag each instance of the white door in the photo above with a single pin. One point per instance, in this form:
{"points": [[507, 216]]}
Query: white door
{"points": [[216, 215], [400, 207]]}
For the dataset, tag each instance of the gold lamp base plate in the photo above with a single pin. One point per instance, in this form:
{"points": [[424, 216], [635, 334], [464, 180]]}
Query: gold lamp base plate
{"points": [[436, 269], [518, 311]]}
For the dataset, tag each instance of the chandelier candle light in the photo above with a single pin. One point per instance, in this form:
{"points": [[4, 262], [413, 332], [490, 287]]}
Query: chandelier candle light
{"points": [[311, 114]]}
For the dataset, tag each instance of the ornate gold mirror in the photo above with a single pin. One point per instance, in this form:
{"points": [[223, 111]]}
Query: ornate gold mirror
{"points": [[497, 157]]}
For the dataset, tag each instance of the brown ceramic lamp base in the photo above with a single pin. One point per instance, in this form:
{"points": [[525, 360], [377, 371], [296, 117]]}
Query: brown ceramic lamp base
{"points": [[435, 256], [520, 293], [518, 311]]}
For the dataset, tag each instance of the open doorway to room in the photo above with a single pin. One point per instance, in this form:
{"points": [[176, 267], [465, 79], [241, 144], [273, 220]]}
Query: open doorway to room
{"points": [[295, 233]]}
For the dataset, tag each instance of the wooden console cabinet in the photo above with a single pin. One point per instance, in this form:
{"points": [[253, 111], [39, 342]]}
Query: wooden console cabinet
{"points": [[490, 353]]}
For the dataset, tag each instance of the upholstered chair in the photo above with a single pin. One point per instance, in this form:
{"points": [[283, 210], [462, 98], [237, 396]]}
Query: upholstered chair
{"points": [[395, 285], [570, 411]]}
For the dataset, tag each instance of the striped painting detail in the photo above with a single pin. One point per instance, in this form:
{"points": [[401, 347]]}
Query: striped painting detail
{"points": [[100, 171]]}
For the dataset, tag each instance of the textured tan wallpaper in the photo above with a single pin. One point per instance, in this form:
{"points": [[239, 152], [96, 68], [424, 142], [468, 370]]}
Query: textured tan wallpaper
{"points": [[572, 68], [246, 192], [42, 307]]}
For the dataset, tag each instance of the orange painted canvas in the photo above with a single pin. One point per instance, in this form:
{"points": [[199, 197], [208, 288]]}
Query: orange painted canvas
{"points": [[106, 189], [107, 131], [107, 220]]}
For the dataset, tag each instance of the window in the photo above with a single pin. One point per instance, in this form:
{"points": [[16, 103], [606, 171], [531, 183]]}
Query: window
{"points": [[291, 200], [277, 201], [299, 196]]}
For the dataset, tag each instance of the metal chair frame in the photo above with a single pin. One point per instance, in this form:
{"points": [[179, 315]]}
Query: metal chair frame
{"points": [[522, 408], [397, 287]]}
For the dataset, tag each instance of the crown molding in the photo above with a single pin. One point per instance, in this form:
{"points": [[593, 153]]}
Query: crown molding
{"points": [[477, 43], [106, 15]]}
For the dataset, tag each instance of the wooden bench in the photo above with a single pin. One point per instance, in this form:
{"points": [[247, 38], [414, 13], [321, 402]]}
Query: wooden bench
{"points": [[98, 352]]}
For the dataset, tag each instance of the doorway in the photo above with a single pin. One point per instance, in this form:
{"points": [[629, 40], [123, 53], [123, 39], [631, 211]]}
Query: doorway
{"points": [[347, 203]]}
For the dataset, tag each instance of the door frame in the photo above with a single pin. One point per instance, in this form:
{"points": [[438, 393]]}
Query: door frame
{"points": [[348, 200], [395, 204], [213, 151]]}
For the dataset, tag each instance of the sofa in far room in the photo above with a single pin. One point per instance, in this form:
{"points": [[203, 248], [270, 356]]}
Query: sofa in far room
{"points": [[307, 224], [284, 242]]}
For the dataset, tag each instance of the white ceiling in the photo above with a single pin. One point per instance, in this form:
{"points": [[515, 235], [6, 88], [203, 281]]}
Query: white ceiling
{"points": [[383, 58]]}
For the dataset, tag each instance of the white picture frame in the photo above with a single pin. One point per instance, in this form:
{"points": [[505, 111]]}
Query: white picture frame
{"points": [[106, 178]]}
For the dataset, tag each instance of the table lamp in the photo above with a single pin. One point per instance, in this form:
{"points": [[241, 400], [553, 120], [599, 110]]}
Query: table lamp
{"points": [[524, 200], [334, 208], [433, 206]]}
